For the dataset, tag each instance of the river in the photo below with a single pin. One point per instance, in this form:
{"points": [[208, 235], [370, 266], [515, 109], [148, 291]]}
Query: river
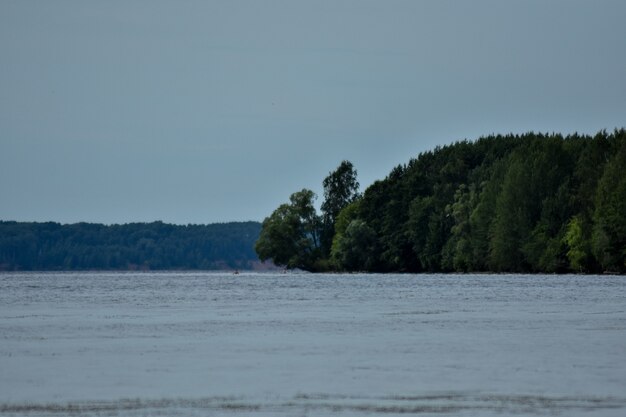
{"points": [[266, 344]]}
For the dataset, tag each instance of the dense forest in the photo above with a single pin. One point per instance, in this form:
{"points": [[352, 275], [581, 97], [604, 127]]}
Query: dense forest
{"points": [[143, 246], [513, 203]]}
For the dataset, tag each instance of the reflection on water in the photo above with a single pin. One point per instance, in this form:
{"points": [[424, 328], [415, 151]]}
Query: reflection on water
{"points": [[135, 344]]}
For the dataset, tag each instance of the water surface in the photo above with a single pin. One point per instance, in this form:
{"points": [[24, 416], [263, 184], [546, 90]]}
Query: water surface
{"points": [[137, 344]]}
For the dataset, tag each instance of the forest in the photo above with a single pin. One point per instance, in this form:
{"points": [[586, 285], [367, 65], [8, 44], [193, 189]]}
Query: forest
{"points": [[134, 246], [503, 203]]}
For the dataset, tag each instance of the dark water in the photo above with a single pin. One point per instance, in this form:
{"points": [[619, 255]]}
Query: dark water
{"points": [[294, 345]]}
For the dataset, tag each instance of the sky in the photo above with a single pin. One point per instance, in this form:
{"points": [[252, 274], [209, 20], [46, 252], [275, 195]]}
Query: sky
{"points": [[215, 111]]}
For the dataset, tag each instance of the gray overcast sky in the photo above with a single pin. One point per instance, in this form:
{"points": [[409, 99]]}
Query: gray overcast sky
{"points": [[210, 111]]}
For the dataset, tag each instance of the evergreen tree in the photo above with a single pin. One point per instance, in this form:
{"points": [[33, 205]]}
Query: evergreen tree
{"points": [[529, 203], [609, 231]]}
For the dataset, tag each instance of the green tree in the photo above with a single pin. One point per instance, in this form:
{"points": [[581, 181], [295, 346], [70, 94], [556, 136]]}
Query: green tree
{"points": [[457, 253], [512, 223], [340, 189], [345, 217], [578, 244], [481, 218], [533, 207], [356, 248], [533, 202], [290, 236], [609, 231]]}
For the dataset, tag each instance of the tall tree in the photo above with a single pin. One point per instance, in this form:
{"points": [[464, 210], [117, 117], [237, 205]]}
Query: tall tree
{"points": [[609, 232], [513, 219], [526, 203], [457, 254], [340, 189]]}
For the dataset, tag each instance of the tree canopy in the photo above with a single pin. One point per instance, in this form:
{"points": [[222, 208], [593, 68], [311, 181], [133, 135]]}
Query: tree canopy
{"points": [[340, 189], [150, 246], [514, 203], [290, 236], [295, 236]]}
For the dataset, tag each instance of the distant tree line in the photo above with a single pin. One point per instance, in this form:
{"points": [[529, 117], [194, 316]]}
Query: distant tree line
{"points": [[514, 203], [144, 246]]}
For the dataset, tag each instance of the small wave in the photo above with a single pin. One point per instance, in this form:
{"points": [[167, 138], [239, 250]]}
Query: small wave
{"points": [[26, 316], [416, 312], [606, 312], [330, 404]]}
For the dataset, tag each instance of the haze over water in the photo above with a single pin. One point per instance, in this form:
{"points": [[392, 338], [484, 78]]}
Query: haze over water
{"points": [[134, 344]]}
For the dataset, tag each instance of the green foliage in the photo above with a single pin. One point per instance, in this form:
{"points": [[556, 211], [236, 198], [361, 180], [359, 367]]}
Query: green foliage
{"points": [[290, 236], [513, 217], [529, 203], [483, 213], [356, 247], [340, 189], [578, 243], [345, 217], [609, 231], [296, 237], [85, 246], [532, 208], [349, 213], [457, 252]]}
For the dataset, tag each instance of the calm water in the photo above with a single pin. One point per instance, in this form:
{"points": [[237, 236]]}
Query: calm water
{"points": [[212, 344]]}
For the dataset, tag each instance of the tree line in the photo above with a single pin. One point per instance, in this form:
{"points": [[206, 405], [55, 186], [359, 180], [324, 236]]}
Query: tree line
{"points": [[503, 203], [143, 246]]}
